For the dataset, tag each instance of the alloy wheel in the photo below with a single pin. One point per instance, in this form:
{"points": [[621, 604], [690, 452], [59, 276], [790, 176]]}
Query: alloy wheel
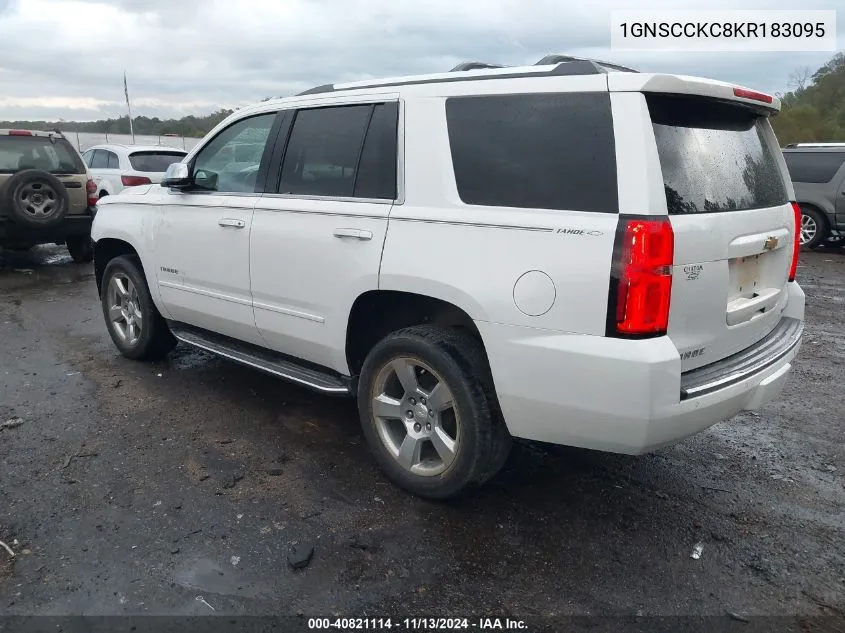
{"points": [[416, 416], [809, 228], [125, 309]]}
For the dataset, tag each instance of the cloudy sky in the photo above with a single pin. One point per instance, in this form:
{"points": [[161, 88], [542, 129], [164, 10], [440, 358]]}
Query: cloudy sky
{"points": [[66, 58]]}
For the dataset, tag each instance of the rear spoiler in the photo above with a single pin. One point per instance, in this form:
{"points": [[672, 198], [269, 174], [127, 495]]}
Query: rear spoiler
{"points": [[684, 85]]}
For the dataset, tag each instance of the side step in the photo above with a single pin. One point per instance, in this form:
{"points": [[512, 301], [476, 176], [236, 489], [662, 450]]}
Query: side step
{"points": [[262, 359]]}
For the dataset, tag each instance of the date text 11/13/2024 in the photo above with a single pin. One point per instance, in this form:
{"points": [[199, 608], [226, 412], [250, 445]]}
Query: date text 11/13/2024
{"points": [[417, 624]]}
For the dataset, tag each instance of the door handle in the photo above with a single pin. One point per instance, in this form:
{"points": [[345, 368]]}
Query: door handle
{"points": [[231, 222], [356, 233]]}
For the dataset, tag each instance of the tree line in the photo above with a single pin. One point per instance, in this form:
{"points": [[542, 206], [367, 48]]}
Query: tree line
{"points": [[814, 110], [189, 126]]}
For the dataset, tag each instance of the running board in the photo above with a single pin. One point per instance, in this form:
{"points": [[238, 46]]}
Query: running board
{"points": [[262, 359]]}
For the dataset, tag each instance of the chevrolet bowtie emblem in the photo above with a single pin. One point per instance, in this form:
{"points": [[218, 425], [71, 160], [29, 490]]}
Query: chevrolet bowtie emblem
{"points": [[771, 243]]}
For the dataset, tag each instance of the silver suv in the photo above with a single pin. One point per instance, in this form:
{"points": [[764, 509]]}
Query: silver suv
{"points": [[818, 175]]}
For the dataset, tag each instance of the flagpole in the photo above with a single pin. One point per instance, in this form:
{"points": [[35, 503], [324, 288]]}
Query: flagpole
{"points": [[128, 107]]}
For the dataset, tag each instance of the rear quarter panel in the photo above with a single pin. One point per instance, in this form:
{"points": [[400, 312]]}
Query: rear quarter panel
{"points": [[473, 256]]}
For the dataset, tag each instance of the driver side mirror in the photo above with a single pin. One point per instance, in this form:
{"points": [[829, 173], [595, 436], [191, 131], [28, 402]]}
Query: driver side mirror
{"points": [[177, 176]]}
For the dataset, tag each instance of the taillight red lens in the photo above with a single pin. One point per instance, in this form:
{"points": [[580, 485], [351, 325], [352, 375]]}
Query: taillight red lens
{"points": [[752, 94], [796, 246], [643, 277], [134, 181], [20, 133], [91, 188]]}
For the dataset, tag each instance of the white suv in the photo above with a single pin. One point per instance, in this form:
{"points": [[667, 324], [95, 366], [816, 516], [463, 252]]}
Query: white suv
{"points": [[570, 252], [115, 167]]}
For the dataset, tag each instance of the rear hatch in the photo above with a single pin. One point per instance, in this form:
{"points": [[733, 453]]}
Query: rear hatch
{"points": [[727, 196], [153, 164]]}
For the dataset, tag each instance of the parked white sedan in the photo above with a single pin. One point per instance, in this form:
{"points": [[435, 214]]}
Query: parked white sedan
{"points": [[114, 167]]}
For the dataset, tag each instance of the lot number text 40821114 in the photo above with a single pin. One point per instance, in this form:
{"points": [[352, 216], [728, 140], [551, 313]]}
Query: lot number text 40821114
{"points": [[417, 624]]}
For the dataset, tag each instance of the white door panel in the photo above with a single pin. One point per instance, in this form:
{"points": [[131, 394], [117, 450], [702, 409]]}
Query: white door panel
{"points": [[310, 260], [203, 267]]}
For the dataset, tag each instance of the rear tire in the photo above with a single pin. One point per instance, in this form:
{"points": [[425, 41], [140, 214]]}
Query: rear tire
{"points": [[135, 325], [814, 227], [429, 412], [81, 248]]}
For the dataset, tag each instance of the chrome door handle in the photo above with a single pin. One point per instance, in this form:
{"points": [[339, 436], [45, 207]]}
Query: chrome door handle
{"points": [[231, 222], [356, 233]]}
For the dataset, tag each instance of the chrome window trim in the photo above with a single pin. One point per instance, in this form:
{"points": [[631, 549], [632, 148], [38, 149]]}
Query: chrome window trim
{"points": [[293, 196]]}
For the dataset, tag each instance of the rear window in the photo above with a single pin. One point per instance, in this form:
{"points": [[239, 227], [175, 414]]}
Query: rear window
{"points": [[816, 167], [154, 161], [715, 156], [544, 151], [54, 155]]}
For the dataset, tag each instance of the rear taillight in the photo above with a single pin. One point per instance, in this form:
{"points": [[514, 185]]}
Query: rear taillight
{"points": [[134, 181], [20, 133], [91, 188], [641, 282], [796, 244]]}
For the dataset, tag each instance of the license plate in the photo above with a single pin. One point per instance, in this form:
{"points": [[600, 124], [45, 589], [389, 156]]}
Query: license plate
{"points": [[745, 275]]}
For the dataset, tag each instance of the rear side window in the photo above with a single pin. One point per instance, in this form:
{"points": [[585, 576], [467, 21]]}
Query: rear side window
{"points": [[155, 161], [54, 155], [100, 160], [815, 167], [377, 169], [114, 163], [546, 151], [342, 151], [715, 156]]}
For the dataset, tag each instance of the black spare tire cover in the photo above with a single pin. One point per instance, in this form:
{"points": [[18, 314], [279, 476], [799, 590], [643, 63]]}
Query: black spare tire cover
{"points": [[35, 199]]}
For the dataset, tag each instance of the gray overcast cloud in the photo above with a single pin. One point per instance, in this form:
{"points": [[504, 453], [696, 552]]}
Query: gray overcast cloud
{"points": [[65, 58]]}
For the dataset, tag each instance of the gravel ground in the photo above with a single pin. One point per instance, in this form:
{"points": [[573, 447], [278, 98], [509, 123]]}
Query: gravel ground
{"points": [[134, 488]]}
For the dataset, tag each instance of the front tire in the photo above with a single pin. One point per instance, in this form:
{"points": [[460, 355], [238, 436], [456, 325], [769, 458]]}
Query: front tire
{"points": [[81, 248], [429, 412], [134, 323], [814, 227]]}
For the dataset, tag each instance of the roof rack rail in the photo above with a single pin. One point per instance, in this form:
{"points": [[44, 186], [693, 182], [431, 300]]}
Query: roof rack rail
{"points": [[548, 60], [474, 66], [814, 145], [568, 66]]}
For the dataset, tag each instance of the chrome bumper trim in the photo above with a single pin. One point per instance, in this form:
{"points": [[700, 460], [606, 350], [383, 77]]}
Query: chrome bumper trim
{"points": [[745, 364]]}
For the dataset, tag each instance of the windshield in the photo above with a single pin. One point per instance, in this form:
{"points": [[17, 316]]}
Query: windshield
{"points": [[154, 161], [715, 156], [38, 152]]}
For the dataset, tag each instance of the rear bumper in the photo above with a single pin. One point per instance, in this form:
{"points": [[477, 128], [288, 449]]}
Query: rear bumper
{"points": [[625, 396], [12, 232]]}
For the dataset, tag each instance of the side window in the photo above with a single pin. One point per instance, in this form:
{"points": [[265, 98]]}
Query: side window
{"points": [[230, 161], [813, 167], [100, 160], [87, 157], [113, 162], [323, 151], [377, 168], [543, 151]]}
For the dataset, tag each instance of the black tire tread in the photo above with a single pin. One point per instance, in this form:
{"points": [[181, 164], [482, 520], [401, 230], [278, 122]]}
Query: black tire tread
{"points": [[80, 251], [493, 441], [821, 222], [160, 340]]}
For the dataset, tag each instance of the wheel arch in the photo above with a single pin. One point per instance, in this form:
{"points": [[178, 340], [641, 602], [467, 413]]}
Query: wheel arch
{"points": [[105, 250], [376, 313]]}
